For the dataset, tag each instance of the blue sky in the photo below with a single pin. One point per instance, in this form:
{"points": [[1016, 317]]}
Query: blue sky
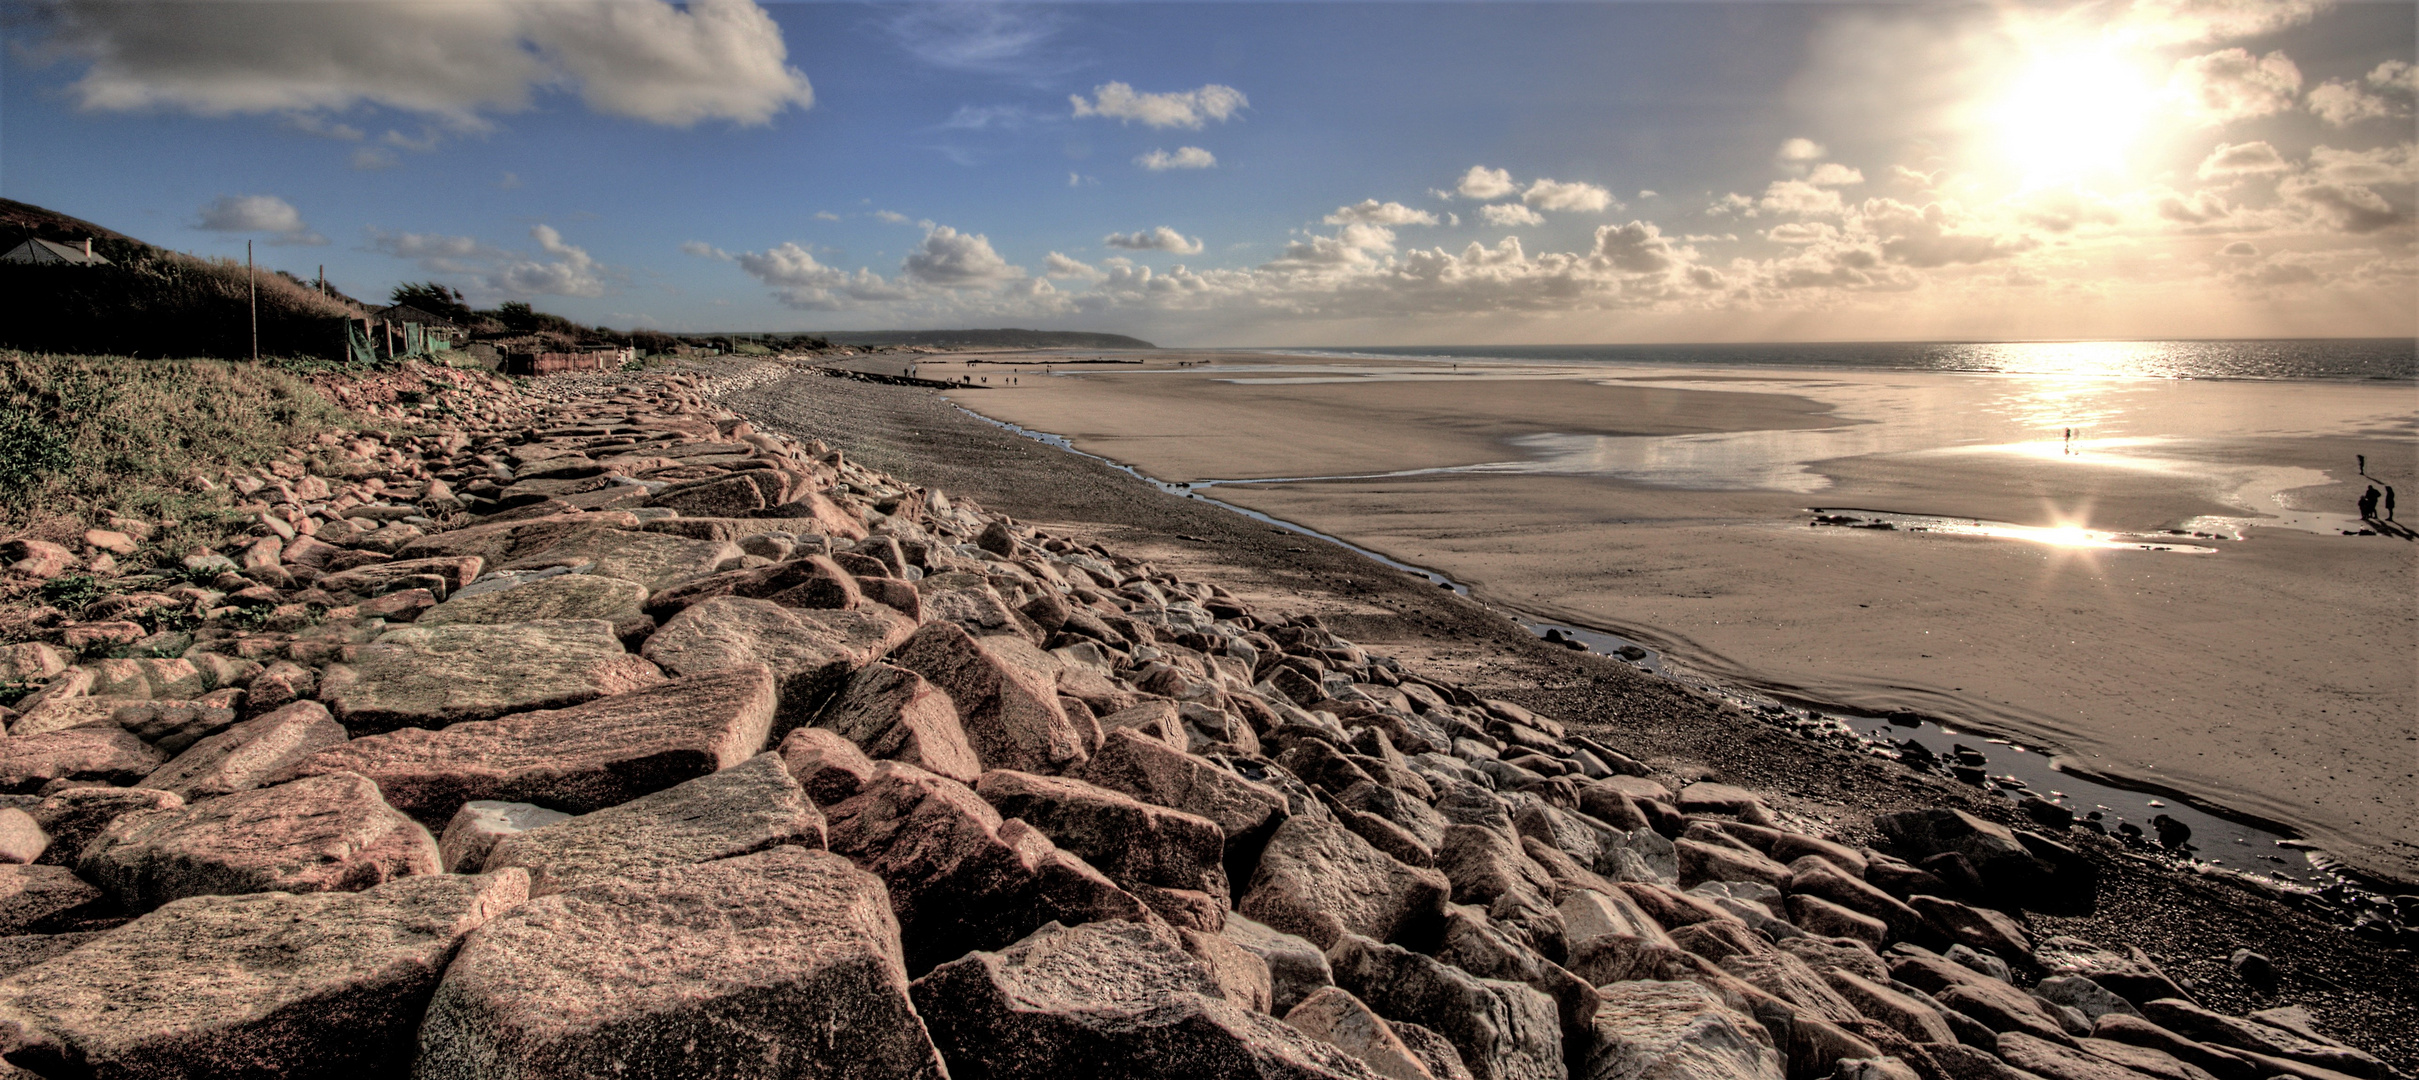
{"points": [[1370, 173]]}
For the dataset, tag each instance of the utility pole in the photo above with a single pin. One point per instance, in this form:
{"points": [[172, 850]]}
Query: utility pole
{"points": [[323, 279], [252, 293]]}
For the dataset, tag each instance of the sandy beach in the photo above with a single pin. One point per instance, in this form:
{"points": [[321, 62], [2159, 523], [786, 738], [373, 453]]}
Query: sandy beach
{"points": [[2264, 667]]}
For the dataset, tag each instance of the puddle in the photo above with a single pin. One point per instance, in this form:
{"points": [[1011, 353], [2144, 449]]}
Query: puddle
{"points": [[2066, 536]]}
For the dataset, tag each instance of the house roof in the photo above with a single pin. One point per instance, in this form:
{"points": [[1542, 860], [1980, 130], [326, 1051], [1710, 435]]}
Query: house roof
{"points": [[37, 250]]}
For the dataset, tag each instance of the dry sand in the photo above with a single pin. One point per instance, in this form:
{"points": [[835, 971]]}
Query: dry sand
{"points": [[2277, 676]]}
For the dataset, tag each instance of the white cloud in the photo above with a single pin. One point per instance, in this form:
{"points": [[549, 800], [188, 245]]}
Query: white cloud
{"points": [[494, 271], [1799, 151], [1184, 109], [826, 215], [2187, 22], [955, 260], [1377, 213], [1076, 179], [1556, 195], [2338, 187], [992, 39], [1733, 203], [2242, 159], [258, 214], [891, 217], [1161, 238], [799, 281], [642, 59], [570, 273], [1482, 182], [1185, 157], [2231, 84], [1509, 214], [1834, 174], [704, 250], [1067, 269], [1798, 197], [2343, 103], [2395, 75]]}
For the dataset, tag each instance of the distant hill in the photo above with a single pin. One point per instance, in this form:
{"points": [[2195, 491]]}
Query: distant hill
{"points": [[989, 339], [21, 220]]}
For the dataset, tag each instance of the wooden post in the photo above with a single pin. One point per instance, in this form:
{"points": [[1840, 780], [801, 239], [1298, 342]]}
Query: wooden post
{"points": [[323, 279], [252, 293]]}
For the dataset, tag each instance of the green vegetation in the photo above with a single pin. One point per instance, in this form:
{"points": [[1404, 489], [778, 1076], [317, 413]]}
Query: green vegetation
{"points": [[84, 434]]}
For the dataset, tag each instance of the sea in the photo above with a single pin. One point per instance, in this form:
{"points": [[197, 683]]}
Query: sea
{"points": [[2357, 359]]}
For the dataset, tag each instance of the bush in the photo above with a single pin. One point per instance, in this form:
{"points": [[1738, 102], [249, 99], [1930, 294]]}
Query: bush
{"points": [[82, 434]]}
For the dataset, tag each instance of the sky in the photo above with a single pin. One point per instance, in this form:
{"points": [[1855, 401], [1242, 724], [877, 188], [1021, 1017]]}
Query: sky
{"points": [[1266, 174]]}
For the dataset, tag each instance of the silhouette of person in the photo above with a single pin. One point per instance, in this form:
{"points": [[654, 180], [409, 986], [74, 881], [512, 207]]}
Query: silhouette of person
{"points": [[2368, 504], [2389, 502], [2363, 459]]}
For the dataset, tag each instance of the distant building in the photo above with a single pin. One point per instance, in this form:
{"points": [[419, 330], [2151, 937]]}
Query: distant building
{"points": [[51, 253]]}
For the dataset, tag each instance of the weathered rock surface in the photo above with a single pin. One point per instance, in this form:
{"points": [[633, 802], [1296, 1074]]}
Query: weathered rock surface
{"points": [[601, 753], [1121, 836], [275, 984], [1107, 1000], [748, 807], [1010, 712], [43, 899], [327, 833], [1318, 880], [961, 878], [811, 653], [563, 596], [430, 677], [783, 963], [481, 824], [1164, 776], [654, 560], [1504, 1030], [893, 713], [1676, 1031], [106, 755], [262, 750], [1337, 1018]]}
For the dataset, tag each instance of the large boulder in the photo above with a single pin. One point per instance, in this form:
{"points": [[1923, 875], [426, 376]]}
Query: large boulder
{"points": [[784, 963], [1009, 709], [415, 676], [1337, 1018], [1108, 999], [891, 712], [496, 543], [44, 899], [1504, 1030], [1296, 968], [1993, 849], [655, 560], [262, 750], [562, 596], [106, 754], [748, 807], [590, 756], [1122, 836], [811, 653], [1159, 774], [960, 877], [312, 985], [1320, 881], [1650, 1030], [328, 833]]}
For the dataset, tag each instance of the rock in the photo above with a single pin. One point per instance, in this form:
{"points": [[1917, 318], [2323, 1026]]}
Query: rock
{"points": [[811, 653], [105, 755], [1504, 1030], [1874, 1068], [2192, 1021], [1161, 775], [452, 572], [1009, 710], [39, 559], [1820, 916], [497, 543], [1790, 847], [1296, 968], [1488, 869], [432, 676], [746, 808], [1318, 880], [960, 878], [1239, 972], [655, 560], [245, 756], [1492, 951], [1107, 999], [43, 899], [1121, 836], [1822, 1048], [1338, 1019], [1706, 862], [563, 596], [2000, 1007], [893, 713], [21, 837], [2133, 977], [1820, 878], [1847, 954], [600, 753], [1996, 854], [2143, 1060], [480, 824], [1653, 1030], [1588, 914], [73, 816], [2085, 996], [1433, 1050], [2051, 1061], [2252, 968], [327, 833], [830, 768], [781, 963], [728, 496], [272, 984], [1976, 928], [1916, 1020], [1709, 798], [2134, 1030]]}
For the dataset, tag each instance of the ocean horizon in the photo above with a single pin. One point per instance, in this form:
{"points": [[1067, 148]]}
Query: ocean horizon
{"points": [[2355, 359]]}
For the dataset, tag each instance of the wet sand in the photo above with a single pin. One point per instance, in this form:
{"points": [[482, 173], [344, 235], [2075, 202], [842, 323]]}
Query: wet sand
{"points": [[2272, 675]]}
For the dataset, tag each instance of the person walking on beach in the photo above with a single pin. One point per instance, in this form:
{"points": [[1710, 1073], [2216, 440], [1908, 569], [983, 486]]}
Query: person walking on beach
{"points": [[2363, 459], [2389, 502], [2368, 505]]}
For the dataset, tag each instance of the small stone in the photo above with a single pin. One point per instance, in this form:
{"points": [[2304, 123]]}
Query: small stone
{"points": [[2256, 970]]}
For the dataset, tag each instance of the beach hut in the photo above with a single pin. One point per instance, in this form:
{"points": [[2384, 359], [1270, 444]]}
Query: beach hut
{"points": [[51, 253]]}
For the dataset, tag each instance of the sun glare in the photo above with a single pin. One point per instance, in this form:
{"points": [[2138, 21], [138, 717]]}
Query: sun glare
{"points": [[2073, 113]]}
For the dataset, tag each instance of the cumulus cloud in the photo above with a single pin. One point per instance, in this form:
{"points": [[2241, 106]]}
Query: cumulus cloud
{"points": [[2343, 103], [2338, 187], [954, 260], [704, 250], [2242, 159], [1509, 214], [1556, 195], [1374, 212], [1067, 269], [1161, 238], [259, 214], [1185, 157], [2231, 84], [1798, 197], [1482, 182], [570, 273], [1834, 174], [2189, 22], [1799, 151], [1935, 235], [799, 281], [1182, 109], [559, 268], [643, 59]]}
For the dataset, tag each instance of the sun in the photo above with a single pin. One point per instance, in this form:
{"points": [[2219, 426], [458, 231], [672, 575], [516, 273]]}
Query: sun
{"points": [[2073, 113]]}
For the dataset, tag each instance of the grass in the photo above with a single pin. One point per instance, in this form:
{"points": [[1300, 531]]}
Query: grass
{"points": [[159, 303], [80, 435]]}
